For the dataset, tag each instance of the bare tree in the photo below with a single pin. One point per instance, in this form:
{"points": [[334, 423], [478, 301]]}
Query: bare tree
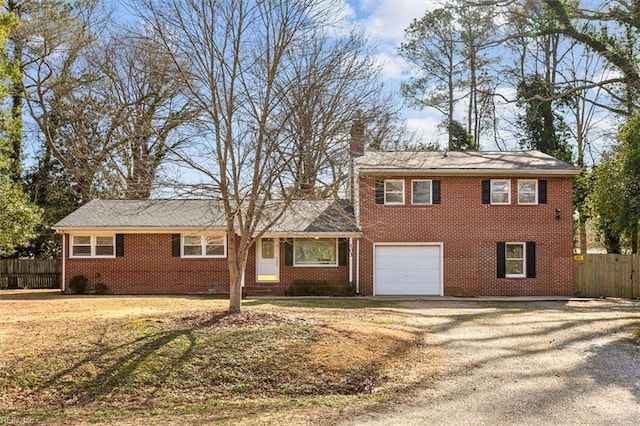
{"points": [[107, 105], [335, 79], [236, 59], [585, 115], [61, 93], [151, 105]]}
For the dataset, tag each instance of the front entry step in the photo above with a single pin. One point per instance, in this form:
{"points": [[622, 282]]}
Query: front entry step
{"points": [[263, 290]]}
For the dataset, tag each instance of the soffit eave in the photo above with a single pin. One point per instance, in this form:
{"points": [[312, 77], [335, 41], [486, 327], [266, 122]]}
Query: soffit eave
{"points": [[466, 172]]}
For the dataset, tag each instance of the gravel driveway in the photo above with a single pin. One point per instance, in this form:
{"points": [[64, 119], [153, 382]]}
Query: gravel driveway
{"points": [[535, 363]]}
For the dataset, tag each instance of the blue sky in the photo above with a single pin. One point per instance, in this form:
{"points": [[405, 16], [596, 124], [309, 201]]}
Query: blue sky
{"points": [[384, 21]]}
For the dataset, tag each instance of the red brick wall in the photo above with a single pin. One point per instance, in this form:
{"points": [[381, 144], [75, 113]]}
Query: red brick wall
{"points": [[469, 231], [336, 274], [148, 267]]}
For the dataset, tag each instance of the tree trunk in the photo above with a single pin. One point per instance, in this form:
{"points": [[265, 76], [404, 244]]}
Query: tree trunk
{"points": [[235, 289], [582, 230], [612, 242], [17, 92], [451, 98], [237, 259]]}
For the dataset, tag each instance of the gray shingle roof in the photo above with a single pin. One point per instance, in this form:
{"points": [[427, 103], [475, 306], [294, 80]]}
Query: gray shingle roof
{"points": [[325, 216], [146, 214], [464, 162]]}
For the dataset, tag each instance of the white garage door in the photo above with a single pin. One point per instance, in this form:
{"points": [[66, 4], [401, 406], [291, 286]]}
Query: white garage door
{"points": [[407, 270]]}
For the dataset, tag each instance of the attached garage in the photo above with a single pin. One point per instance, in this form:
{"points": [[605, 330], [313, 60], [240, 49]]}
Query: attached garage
{"points": [[408, 269]]}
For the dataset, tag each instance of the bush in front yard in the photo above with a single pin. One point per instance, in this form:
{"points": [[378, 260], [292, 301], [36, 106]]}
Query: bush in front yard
{"points": [[78, 284], [101, 288], [303, 287]]}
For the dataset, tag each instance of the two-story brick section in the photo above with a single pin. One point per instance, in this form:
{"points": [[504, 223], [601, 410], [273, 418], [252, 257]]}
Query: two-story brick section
{"points": [[418, 223], [464, 223]]}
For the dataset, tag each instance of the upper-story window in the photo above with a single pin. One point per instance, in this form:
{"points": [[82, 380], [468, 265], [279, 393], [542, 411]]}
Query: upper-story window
{"points": [[500, 191], [93, 246], [394, 192], [421, 192], [424, 192], [528, 191]]}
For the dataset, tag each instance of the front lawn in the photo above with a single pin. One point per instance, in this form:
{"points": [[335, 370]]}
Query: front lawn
{"points": [[108, 359]]}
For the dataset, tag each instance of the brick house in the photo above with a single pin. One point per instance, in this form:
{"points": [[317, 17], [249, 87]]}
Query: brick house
{"points": [[180, 246], [464, 223], [422, 223]]}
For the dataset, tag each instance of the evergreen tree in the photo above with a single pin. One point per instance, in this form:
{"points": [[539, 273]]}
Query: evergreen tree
{"points": [[18, 216]]}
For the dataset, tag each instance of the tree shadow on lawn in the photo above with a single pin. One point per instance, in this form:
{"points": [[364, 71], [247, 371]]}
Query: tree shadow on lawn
{"points": [[107, 376], [116, 369]]}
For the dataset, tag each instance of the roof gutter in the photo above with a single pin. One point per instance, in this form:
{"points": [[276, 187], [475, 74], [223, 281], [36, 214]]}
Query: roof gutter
{"points": [[466, 172], [132, 230], [301, 234], [115, 230]]}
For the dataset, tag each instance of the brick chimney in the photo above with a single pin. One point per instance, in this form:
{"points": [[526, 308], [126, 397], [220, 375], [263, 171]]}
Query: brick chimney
{"points": [[356, 149], [357, 136]]}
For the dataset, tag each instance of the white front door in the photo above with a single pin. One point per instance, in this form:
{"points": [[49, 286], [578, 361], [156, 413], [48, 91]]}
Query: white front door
{"points": [[268, 260]]}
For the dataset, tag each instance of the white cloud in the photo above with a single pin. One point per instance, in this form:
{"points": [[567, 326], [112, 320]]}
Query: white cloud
{"points": [[387, 19], [392, 66], [426, 126]]}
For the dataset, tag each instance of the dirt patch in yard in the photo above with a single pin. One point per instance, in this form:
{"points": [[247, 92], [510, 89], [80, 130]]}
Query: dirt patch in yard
{"points": [[107, 359]]}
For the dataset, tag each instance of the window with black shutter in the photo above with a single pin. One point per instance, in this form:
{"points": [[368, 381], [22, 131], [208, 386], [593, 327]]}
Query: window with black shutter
{"points": [[175, 245], [379, 192], [436, 192], [119, 245], [486, 192], [542, 192]]}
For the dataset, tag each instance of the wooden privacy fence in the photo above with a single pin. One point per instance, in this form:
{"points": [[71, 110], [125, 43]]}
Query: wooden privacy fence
{"points": [[607, 275], [20, 273]]}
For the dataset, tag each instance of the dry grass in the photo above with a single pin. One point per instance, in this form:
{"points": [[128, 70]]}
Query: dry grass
{"points": [[181, 360]]}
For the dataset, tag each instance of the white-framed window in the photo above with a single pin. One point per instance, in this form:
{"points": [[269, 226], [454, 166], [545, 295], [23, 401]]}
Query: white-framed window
{"points": [[394, 192], [527, 191], [93, 246], [421, 192], [500, 191], [515, 260], [204, 245], [315, 252]]}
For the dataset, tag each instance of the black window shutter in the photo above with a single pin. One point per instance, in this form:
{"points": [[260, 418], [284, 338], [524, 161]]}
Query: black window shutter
{"points": [[542, 192], [486, 192], [435, 189], [288, 251], [175, 245], [379, 192], [119, 245], [343, 251], [531, 259], [502, 263]]}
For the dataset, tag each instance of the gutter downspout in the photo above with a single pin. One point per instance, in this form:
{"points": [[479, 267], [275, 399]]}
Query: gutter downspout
{"points": [[64, 263], [351, 259], [358, 266]]}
